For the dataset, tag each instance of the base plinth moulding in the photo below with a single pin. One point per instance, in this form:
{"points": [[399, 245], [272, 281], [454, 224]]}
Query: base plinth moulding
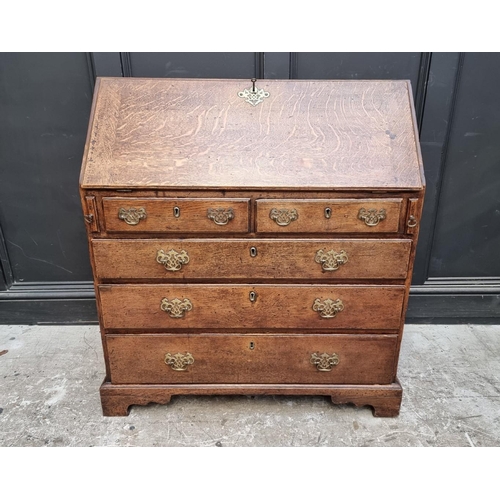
{"points": [[384, 399]]}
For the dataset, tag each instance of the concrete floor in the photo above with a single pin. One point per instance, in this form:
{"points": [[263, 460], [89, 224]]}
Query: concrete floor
{"points": [[50, 376]]}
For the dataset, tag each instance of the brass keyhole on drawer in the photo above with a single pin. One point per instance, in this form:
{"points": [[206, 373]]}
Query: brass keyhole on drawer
{"points": [[253, 252], [328, 212], [251, 346], [177, 212], [252, 296]]}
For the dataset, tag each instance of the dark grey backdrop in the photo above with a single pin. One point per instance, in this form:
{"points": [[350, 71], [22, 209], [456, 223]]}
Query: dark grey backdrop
{"points": [[45, 100]]}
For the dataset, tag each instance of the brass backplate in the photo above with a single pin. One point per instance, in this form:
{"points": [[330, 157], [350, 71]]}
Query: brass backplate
{"points": [[324, 362], [176, 308], [179, 362], [371, 217], [330, 260], [221, 216], [172, 260], [132, 216], [283, 216], [328, 308]]}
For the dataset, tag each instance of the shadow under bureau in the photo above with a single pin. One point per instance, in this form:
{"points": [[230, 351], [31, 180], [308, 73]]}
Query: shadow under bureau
{"points": [[252, 237]]}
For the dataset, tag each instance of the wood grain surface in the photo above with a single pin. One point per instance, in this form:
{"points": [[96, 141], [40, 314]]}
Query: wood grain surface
{"points": [[199, 133], [229, 259], [344, 216], [384, 399], [194, 144], [193, 215], [362, 359], [229, 306]]}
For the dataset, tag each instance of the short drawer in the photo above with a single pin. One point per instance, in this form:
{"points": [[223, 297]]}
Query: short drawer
{"points": [[251, 307], [246, 359], [177, 215], [329, 216], [258, 259]]}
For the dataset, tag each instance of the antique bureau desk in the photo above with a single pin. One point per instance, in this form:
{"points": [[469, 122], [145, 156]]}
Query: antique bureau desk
{"points": [[252, 237]]}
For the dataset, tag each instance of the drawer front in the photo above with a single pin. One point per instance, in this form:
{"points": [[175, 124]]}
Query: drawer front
{"points": [[329, 216], [255, 259], [179, 215], [251, 307], [246, 359]]}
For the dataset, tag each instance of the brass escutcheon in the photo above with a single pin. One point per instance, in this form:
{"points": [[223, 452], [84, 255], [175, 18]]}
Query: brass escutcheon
{"points": [[176, 308], [283, 216], [328, 212], [221, 216], [132, 216], [179, 362], [254, 95], [370, 217], [172, 260], [328, 308], [331, 260], [324, 362]]}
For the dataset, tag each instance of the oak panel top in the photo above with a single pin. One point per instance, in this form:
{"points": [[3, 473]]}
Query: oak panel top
{"points": [[196, 133]]}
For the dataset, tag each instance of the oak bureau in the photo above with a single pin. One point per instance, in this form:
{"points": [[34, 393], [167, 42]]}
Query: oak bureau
{"points": [[252, 237]]}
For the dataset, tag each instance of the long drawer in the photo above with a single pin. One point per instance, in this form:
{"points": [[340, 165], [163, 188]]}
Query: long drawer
{"points": [[213, 358], [177, 259], [251, 306]]}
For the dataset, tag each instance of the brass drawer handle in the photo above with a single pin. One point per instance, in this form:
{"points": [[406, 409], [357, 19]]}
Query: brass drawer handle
{"points": [[412, 221], [324, 362], [328, 308], [221, 216], [179, 362], [176, 308], [283, 216], [132, 216], [370, 217], [331, 260], [172, 260]]}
